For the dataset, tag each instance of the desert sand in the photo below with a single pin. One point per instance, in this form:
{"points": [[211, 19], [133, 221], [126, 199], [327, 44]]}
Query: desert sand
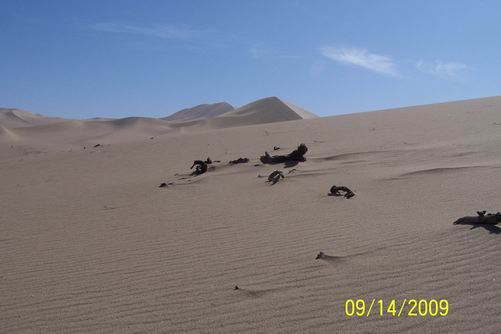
{"points": [[90, 244]]}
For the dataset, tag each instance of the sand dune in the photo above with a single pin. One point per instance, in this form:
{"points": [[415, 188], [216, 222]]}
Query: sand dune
{"points": [[44, 131], [267, 110], [15, 118], [201, 111], [90, 243]]}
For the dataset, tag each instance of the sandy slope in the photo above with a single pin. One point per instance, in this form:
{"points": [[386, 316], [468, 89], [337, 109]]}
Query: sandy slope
{"points": [[90, 244], [74, 132]]}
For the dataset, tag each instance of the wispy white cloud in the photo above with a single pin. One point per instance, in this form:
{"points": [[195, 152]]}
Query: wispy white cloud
{"points": [[362, 58], [450, 70], [164, 31]]}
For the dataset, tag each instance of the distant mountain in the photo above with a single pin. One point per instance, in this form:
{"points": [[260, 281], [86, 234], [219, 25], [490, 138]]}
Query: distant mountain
{"points": [[202, 111]]}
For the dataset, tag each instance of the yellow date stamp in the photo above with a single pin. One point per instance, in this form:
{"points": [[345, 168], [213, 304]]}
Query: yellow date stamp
{"points": [[396, 308]]}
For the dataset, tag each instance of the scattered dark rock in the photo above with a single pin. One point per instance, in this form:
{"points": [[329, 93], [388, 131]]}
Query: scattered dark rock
{"points": [[275, 176], [152, 138], [162, 185], [236, 287], [208, 161], [292, 171], [343, 191], [320, 255], [276, 148], [98, 145], [239, 161]]}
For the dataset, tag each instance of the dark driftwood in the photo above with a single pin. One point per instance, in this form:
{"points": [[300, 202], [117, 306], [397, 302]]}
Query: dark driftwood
{"points": [[275, 177], [201, 167], [341, 191], [239, 161], [482, 218], [297, 156]]}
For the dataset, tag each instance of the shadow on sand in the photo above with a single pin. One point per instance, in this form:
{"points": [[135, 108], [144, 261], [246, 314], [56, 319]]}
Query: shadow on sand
{"points": [[474, 222]]}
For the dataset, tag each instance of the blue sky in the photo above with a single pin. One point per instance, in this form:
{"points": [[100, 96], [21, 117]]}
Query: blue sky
{"points": [[81, 59]]}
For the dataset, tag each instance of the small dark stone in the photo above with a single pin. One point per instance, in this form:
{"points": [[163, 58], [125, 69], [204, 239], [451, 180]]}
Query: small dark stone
{"points": [[162, 185], [97, 145], [236, 287]]}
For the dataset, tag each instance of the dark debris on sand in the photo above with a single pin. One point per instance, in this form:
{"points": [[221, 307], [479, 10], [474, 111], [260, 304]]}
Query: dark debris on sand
{"points": [[275, 176], [341, 191], [482, 218], [200, 167], [320, 255], [295, 156], [239, 161]]}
